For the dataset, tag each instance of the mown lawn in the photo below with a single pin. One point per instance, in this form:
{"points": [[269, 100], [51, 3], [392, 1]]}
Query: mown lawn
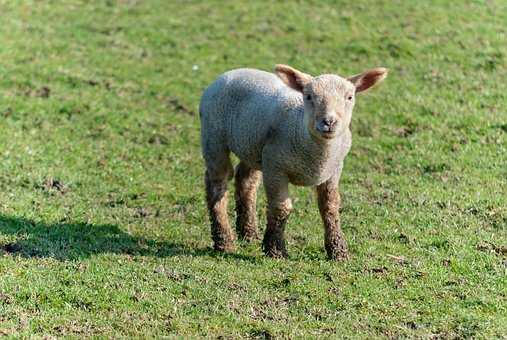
{"points": [[103, 226]]}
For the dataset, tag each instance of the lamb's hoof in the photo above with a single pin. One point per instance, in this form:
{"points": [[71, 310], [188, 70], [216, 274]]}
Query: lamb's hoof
{"points": [[275, 249], [337, 250], [225, 247], [276, 253], [249, 237], [338, 256], [247, 232]]}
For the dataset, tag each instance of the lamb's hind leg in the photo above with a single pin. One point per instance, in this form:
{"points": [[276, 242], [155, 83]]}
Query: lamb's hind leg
{"points": [[218, 172], [246, 183]]}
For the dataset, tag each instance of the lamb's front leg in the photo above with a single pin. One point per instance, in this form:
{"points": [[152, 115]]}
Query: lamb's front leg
{"points": [[329, 204], [279, 209]]}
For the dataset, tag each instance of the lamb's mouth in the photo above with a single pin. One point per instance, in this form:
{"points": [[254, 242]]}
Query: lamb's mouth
{"points": [[327, 133]]}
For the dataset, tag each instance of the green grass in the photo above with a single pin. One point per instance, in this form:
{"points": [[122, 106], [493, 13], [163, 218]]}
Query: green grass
{"points": [[103, 226]]}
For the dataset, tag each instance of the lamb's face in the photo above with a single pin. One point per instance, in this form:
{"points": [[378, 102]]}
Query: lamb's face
{"points": [[329, 100]]}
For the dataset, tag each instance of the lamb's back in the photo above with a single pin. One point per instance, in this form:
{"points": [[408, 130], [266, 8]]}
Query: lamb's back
{"points": [[243, 107]]}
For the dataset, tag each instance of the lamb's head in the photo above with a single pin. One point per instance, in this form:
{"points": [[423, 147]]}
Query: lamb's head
{"points": [[328, 99]]}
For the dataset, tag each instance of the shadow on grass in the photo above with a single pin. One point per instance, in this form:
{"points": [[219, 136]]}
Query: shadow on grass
{"points": [[71, 241]]}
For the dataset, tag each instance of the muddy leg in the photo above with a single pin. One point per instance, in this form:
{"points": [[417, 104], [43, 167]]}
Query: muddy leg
{"points": [[246, 182], [279, 209], [216, 195], [329, 203]]}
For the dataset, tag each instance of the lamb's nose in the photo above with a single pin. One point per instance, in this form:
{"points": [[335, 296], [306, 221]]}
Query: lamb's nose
{"points": [[329, 122]]}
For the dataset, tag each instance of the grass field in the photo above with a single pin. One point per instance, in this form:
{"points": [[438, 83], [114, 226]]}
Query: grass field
{"points": [[103, 225]]}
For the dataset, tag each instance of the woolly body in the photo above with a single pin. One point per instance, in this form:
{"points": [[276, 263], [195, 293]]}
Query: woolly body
{"points": [[261, 120]]}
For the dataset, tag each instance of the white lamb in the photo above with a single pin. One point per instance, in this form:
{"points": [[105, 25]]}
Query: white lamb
{"points": [[292, 127]]}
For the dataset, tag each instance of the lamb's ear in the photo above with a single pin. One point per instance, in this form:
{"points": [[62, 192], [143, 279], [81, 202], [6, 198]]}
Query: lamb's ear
{"points": [[369, 78], [292, 77]]}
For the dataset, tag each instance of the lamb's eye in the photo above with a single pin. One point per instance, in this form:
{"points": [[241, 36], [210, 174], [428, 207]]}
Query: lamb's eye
{"points": [[350, 97], [309, 97]]}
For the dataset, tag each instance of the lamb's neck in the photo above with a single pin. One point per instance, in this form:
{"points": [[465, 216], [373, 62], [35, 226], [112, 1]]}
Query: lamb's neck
{"points": [[315, 148], [313, 160]]}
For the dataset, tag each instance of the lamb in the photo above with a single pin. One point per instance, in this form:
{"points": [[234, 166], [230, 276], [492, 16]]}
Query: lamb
{"points": [[286, 128]]}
